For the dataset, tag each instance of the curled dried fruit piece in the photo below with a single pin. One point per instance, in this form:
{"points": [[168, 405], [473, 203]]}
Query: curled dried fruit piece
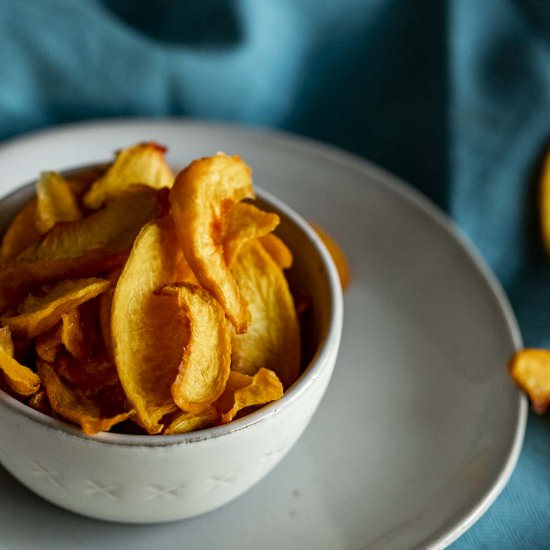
{"points": [[74, 405], [247, 391], [202, 195], [143, 163], [84, 247], [20, 379], [39, 314], [48, 344], [21, 232], [6, 343], [278, 250], [243, 223], [273, 338], [56, 202], [336, 253], [148, 333], [92, 373], [187, 422], [530, 368], [72, 334], [205, 364]]}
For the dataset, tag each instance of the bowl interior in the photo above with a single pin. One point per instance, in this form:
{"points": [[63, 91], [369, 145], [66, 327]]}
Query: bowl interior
{"points": [[312, 277]]}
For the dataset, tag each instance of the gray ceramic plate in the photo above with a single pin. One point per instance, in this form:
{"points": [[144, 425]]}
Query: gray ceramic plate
{"points": [[420, 428]]}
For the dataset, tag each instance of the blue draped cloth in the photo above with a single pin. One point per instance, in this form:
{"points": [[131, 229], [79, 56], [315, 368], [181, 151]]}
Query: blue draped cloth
{"points": [[451, 95]]}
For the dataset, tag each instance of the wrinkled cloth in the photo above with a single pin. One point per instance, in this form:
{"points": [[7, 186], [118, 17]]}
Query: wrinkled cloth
{"points": [[450, 95]]}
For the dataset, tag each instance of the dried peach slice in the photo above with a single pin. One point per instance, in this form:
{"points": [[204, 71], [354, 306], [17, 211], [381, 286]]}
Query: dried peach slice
{"points": [[278, 250], [48, 344], [201, 197], [205, 364], [185, 422], [74, 405], [6, 343], [72, 334], [21, 233], [55, 202], [148, 334], [243, 223], [273, 338], [20, 379], [39, 314], [143, 163], [247, 391], [530, 368], [85, 247], [92, 373]]}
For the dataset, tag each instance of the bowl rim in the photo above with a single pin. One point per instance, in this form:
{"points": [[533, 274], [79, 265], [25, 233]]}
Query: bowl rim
{"points": [[320, 361]]}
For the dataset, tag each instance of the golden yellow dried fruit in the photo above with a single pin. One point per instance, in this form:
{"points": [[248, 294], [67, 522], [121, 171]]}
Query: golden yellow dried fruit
{"points": [[48, 344], [260, 389], [135, 311], [205, 364], [39, 314], [273, 339], [143, 163], [92, 373], [21, 233], [148, 334], [55, 202], [243, 223], [74, 405], [530, 368], [278, 250], [85, 247], [201, 197], [185, 422], [72, 334], [19, 378]]}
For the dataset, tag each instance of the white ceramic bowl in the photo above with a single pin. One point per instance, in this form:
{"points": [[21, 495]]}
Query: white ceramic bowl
{"points": [[147, 479]]}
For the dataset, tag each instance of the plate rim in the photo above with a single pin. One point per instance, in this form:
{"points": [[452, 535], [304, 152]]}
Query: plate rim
{"points": [[380, 176]]}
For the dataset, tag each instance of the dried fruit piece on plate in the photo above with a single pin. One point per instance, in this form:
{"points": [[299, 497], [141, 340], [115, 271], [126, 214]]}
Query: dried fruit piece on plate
{"points": [[143, 163], [56, 202], [205, 363], [201, 197], [273, 338], [530, 368]]}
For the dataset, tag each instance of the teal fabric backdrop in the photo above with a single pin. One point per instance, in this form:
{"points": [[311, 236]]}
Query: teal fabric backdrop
{"points": [[451, 95]]}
